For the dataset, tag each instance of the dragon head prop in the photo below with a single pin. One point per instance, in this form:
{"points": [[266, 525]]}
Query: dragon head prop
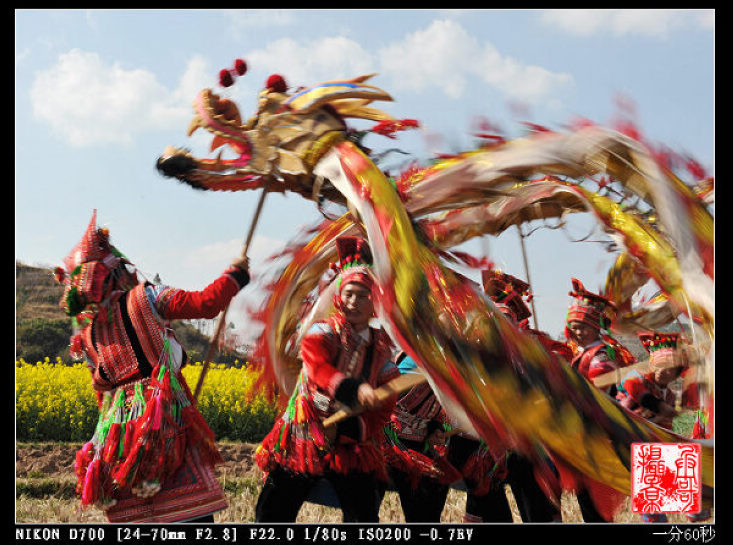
{"points": [[281, 143]]}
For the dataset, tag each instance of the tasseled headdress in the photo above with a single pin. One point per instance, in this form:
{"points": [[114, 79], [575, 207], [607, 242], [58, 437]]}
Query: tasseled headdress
{"points": [[589, 308], [355, 260], [89, 272], [508, 293], [662, 348]]}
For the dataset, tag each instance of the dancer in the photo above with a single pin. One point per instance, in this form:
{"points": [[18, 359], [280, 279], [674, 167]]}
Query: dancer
{"points": [[415, 450], [596, 352], [534, 485], [651, 396], [344, 359], [152, 455]]}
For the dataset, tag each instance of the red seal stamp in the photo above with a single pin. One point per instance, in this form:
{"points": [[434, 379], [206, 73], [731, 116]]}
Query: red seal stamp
{"points": [[665, 478]]}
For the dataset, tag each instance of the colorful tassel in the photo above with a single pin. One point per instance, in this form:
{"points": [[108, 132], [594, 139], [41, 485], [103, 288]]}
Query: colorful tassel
{"points": [[91, 489]]}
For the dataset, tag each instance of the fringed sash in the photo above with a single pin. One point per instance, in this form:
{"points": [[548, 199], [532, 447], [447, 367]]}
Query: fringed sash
{"points": [[298, 440], [143, 430]]}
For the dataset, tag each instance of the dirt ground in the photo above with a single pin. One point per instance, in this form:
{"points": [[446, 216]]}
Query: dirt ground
{"points": [[56, 460]]}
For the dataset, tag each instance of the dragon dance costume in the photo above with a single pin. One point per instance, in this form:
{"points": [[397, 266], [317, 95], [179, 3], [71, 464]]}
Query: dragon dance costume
{"points": [[152, 455], [653, 399], [644, 394], [604, 354], [419, 470], [486, 468], [300, 142], [336, 361]]}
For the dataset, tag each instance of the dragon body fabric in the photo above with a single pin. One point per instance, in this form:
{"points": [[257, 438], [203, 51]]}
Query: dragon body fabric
{"points": [[489, 375]]}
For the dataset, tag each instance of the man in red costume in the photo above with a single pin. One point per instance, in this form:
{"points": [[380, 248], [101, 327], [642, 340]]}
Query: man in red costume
{"points": [[596, 353], [152, 456], [486, 471], [650, 396], [344, 360], [415, 450]]}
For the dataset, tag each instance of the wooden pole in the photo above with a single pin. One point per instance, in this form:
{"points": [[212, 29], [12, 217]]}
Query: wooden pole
{"points": [[526, 272], [222, 317], [394, 386]]}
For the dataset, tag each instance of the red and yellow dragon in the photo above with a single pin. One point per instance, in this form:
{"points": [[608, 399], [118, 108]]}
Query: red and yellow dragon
{"points": [[299, 141]]}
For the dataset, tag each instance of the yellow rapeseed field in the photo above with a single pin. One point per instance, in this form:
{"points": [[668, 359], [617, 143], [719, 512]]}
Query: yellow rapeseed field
{"points": [[55, 402]]}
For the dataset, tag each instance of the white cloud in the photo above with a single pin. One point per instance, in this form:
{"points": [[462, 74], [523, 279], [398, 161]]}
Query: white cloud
{"points": [[198, 75], [440, 55], [445, 55], [217, 256], [260, 18], [87, 101], [319, 60], [644, 22]]}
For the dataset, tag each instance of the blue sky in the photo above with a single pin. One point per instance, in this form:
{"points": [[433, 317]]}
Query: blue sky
{"points": [[99, 94]]}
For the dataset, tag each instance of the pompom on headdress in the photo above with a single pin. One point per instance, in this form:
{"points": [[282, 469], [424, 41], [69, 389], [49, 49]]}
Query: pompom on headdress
{"points": [[508, 293], [662, 349], [87, 269], [354, 264], [275, 83], [228, 75], [589, 308]]}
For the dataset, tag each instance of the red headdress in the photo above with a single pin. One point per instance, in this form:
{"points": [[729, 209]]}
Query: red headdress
{"points": [[87, 269], [589, 308], [355, 260], [662, 348], [508, 293]]}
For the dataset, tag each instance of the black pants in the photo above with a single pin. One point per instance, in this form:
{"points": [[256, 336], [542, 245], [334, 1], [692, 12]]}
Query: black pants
{"points": [[423, 503], [284, 493], [533, 503], [490, 507], [587, 508]]}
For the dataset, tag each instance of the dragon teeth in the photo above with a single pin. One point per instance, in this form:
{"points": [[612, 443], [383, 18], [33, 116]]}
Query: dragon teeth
{"points": [[195, 124]]}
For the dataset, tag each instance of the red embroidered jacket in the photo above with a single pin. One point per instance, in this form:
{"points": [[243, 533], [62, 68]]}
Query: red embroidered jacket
{"points": [[126, 347], [418, 413], [559, 348], [642, 395], [336, 360], [152, 454], [602, 357], [336, 363]]}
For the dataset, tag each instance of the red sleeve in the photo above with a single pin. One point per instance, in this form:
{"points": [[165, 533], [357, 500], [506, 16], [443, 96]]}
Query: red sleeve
{"points": [[551, 345], [600, 365], [635, 387], [317, 350], [373, 421], [176, 304]]}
